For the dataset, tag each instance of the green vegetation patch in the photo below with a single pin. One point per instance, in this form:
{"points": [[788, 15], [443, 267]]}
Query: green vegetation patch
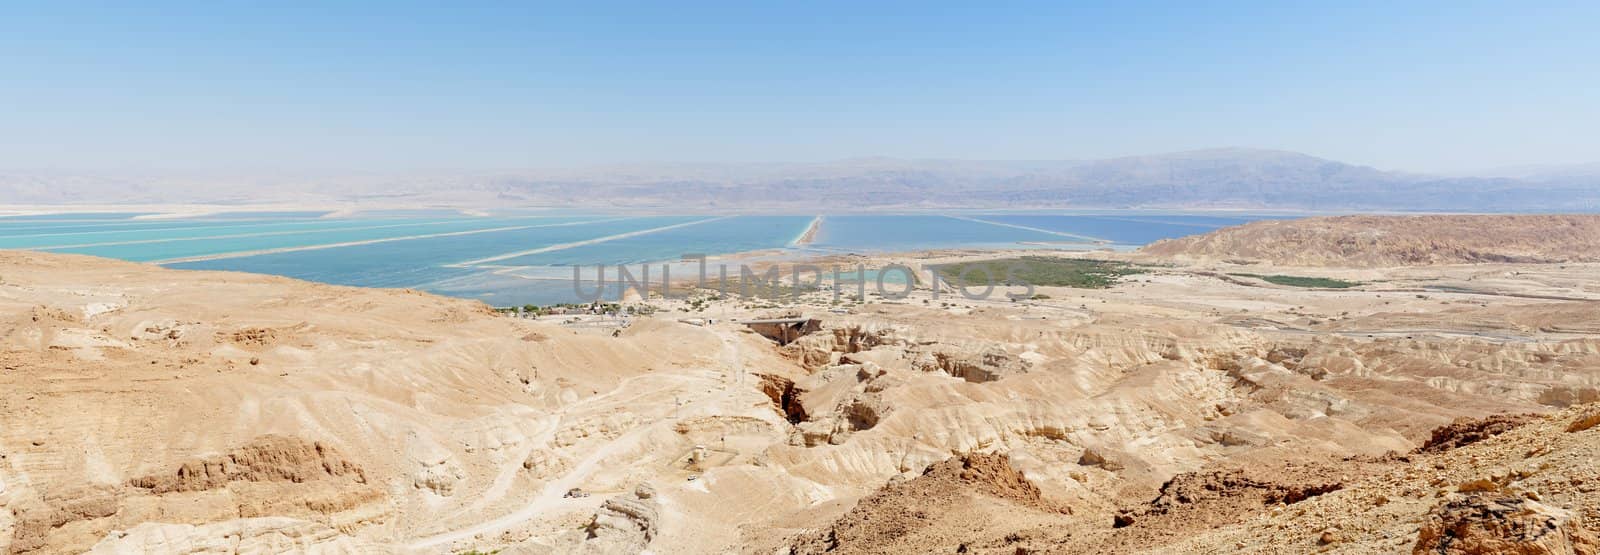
{"points": [[1047, 271], [1298, 281]]}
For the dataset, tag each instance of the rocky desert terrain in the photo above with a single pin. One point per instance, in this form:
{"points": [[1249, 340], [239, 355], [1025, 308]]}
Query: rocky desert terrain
{"points": [[1396, 403], [1377, 241]]}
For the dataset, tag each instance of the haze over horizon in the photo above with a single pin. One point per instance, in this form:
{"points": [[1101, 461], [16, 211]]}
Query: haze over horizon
{"points": [[668, 167], [1430, 87]]}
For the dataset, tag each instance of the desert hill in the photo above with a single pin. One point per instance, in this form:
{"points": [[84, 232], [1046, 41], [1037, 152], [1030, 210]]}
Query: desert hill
{"points": [[1374, 241], [1479, 486], [180, 407], [156, 410]]}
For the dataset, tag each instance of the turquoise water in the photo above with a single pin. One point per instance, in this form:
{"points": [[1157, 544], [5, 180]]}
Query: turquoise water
{"points": [[420, 262], [18, 229], [174, 250], [517, 258], [85, 242], [711, 236]]}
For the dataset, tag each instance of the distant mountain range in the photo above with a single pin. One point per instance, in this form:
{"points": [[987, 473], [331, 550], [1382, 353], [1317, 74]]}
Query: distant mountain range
{"points": [[1218, 178]]}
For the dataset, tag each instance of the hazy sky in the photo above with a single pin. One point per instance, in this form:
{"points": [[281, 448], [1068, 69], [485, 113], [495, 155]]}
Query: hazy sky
{"points": [[471, 85]]}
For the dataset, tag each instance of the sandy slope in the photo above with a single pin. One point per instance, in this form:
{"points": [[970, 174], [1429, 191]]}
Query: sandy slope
{"points": [[114, 371]]}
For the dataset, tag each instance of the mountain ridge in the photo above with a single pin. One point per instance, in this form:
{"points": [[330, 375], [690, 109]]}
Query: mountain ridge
{"points": [[1377, 241], [1231, 177]]}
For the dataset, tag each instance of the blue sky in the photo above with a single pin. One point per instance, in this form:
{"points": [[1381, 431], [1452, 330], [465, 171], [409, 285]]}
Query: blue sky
{"points": [[387, 86]]}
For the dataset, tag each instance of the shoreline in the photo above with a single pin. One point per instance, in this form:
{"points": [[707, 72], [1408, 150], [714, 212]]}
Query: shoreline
{"points": [[809, 235]]}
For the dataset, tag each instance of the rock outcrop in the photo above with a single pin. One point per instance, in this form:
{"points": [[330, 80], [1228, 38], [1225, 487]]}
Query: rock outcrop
{"points": [[269, 458], [625, 523], [1466, 431], [971, 364], [1494, 524], [914, 515], [841, 400], [823, 348]]}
